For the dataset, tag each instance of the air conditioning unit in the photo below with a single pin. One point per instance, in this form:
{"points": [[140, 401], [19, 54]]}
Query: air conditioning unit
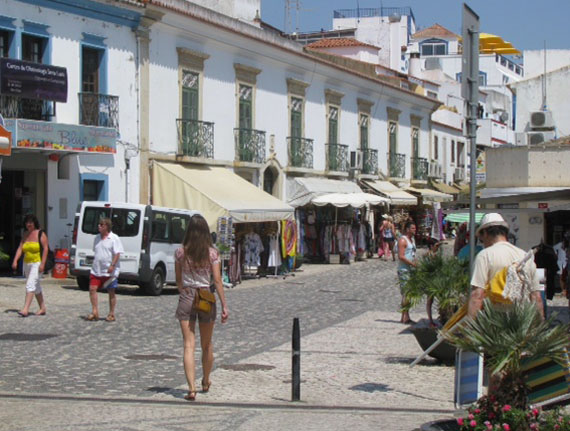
{"points": [[459, 174], [434, 170], [541, 120], [356, 160], [537, 138]]}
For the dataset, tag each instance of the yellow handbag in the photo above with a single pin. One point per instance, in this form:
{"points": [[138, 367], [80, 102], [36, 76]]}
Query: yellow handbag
{"points": [[203, 300]]}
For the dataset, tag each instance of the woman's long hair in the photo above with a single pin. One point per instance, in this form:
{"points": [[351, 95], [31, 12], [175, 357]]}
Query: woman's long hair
{"points": [[197, 242]]}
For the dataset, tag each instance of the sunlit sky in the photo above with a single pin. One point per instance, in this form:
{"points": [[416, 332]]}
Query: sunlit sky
{"points": [[527, 24]]}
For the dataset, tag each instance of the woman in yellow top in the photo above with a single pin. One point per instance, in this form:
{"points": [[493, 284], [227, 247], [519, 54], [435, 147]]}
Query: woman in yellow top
{"points": [[34, 263]]}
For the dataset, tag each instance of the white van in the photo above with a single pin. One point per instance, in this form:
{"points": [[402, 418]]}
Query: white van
{"points": [[149, 234]]}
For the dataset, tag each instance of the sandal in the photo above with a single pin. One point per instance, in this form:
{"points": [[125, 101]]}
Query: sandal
{"points": [[190, 396], [110, 318], [92, 317], [206, 387], [23, 314]]}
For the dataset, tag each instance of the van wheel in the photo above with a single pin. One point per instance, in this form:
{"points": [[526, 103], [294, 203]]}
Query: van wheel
{"points": [[83, 282], [154, 286]]}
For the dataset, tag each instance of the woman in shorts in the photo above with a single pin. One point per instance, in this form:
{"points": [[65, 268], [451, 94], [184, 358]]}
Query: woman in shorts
{"points": [[35, 256], [196, 262]]}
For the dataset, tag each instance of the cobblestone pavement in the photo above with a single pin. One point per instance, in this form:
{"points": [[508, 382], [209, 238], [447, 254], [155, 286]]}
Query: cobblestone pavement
{"points": [[128, 375]]}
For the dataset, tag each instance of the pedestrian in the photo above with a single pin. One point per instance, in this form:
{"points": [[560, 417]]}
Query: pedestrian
{"points": [[406, 260], [105, 270], [560, 250], [387, 233], [433, 250], [497, 254], [465, 251], [196, 263], [34, 263]]}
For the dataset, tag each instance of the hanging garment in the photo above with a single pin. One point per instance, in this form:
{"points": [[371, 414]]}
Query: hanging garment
{"points": [[252, 248], [274, 252]]}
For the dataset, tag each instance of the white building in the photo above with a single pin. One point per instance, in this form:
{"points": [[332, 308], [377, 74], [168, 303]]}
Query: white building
{"points": [[65, 142]]}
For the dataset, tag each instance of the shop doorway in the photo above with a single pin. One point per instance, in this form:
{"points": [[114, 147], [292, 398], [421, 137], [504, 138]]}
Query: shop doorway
{"points": [[557, 223], [20, 193]]}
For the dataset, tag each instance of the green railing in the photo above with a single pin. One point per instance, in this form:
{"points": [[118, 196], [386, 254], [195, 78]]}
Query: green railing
{"points": [[369, 161], [300, 152], [195, 138], [397, 165], [250, 145], [336, 157], [420, 168]]}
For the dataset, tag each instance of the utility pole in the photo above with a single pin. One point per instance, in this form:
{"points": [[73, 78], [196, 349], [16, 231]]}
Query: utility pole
{"points": [[292, 13]]}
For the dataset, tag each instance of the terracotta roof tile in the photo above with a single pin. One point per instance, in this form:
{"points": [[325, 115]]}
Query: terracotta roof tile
{"points": [[435, 30], [338, 42]]}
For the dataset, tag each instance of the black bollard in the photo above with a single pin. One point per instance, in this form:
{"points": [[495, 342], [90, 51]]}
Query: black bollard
{"points": [[296, 362]]}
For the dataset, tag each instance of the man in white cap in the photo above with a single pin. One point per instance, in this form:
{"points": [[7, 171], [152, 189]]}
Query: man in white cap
{"points": [[498, 253]]}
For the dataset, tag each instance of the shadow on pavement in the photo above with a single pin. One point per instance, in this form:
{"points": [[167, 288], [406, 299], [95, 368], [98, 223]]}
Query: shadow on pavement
{"points": [[371, 387]]}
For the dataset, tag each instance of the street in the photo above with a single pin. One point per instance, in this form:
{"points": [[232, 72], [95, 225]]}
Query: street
{"points": [[62, 372]]}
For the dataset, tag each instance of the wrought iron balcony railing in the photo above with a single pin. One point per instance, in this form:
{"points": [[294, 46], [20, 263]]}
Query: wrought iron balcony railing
{"points": [[195, 138], [397, 165], [99, 110], [250, 145], [30, 109], [300, 152], [369, 161], [420, 169], [337, 157]]}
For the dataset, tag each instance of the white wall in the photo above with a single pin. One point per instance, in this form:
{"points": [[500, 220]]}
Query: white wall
{"points": [[534, 61]]}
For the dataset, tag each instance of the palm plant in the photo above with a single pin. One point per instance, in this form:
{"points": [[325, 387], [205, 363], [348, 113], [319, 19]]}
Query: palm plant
{"points": [[444, 279], [508, 338]]}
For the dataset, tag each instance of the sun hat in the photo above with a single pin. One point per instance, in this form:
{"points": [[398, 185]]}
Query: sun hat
{"points": [[491, 219]]}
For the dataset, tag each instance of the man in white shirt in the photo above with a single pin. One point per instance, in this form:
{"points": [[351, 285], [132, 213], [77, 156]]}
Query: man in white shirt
{"points": [[105, 270], [560, 250], [498, 253]]}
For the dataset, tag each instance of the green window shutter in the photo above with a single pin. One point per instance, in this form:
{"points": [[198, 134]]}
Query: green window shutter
{"points": [[190, 95], [415, 142], [363, 132], [296, 118], [245, 107], [392, 130], [333, 125]]}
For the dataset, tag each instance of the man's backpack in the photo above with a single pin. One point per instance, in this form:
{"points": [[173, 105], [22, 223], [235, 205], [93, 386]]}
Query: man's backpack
{"points": [[50, 261]]}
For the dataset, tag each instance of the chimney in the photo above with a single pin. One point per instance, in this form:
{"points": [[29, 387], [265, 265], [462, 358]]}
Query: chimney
{"points": [[395, 43], [415, 68]]}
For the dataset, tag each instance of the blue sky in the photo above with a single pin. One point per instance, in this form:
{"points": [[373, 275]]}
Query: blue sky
{"points": [[524, 23]]}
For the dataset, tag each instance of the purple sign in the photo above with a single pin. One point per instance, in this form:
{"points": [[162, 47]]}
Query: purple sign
{"points": [[33, 80]]}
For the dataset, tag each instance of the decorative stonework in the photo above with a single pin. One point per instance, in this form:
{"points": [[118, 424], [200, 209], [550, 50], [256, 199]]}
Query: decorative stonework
{"points": [[246, 74], [191, 59], [393, 114], [415, 120], [364, 106], [296, 87], [333, 97]]}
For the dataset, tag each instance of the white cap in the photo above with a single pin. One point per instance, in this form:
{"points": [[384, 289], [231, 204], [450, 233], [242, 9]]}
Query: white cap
{"points": [[491, 219]]}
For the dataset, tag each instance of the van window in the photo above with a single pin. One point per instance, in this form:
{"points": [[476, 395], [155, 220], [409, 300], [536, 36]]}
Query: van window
{"points": [[126, 222], [160, 231], [178, 224]]}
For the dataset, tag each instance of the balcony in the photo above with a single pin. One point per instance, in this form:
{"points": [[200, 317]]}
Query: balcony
{"points": [[336, 157], [420, 169], [300, 152], [195, 138], [250, 145], [29, 109], [397, 165], [369, 161], [99, 110], [435, 170]]}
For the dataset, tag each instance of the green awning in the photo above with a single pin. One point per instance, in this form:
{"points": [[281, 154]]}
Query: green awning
{"points": [[463, 217]]}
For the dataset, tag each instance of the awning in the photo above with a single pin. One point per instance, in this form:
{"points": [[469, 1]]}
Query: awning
{"points": [[397, 196], [215, 192], [445, 188], [355, 200], [519, 194], [430, 195], [463, 217], [302, 191]]}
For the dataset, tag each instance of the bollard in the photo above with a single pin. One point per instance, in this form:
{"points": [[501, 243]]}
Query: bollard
{"points": [[296, 362]]}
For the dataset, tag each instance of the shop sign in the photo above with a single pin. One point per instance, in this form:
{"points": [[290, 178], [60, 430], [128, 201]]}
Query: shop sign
{"points": [[543, 205], [42, 135], [5, 141], [33, 80]]}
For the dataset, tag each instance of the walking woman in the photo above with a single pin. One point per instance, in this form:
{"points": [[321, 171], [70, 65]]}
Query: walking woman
{"points": [[197, 261], [34, 263], [387, 233]]}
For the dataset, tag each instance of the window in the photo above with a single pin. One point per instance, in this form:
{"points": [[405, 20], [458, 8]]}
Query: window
{"points": [[460, 158], [5, 42], [159, 227], [364, 120], [432, 94], [190, 94], [90, 64], [415, 142], [178, 225], [126, 222], [393, 137], [92, 190], [433, 47], [435, 148], [296, 117], [245, 106], [452, 151], [333, 125], [33, 48]]}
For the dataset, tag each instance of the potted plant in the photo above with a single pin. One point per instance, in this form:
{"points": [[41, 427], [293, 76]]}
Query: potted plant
{"points": [[446, 280]]}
